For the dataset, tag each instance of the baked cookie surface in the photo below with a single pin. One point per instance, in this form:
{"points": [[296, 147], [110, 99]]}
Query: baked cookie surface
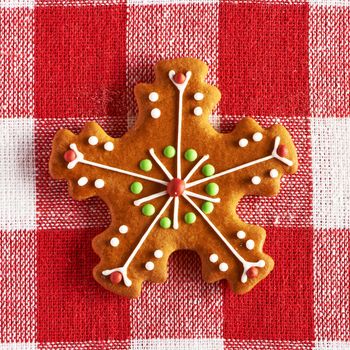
{"points": [[173, 182]]}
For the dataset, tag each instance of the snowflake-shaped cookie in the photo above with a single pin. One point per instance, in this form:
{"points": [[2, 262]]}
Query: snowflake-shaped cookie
{"points": [[173, 182]]}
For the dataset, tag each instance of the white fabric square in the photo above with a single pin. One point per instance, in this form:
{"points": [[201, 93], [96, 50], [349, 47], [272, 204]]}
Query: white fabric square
{"points": [[168, 2], [330, 2], [16, 4], [18, 346], [175, 344], [17, 174], [332, 345], [330, 171]]}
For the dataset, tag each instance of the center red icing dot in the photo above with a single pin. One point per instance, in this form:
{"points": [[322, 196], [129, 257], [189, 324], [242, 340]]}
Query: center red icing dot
{"points": [[179, 78], [69, 156], [282, 150], [176, 187]]}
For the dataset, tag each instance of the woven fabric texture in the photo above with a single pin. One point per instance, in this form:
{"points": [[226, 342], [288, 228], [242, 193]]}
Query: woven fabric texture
{"points": [[66, 62]]}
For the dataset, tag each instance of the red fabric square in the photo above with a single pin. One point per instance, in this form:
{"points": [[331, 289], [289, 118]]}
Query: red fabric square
{"points": [[281, 306], [263, 59], [80, 61], [71, 305]]}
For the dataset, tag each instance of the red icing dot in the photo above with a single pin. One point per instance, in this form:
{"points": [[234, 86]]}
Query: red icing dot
{"points": [[282, 150], [179, 78], [253, 272], [116, 277], [69, 156], [176, 187]]}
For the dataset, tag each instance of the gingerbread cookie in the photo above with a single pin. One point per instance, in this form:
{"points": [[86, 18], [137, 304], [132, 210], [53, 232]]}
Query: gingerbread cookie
{"points": [[173, 182]]}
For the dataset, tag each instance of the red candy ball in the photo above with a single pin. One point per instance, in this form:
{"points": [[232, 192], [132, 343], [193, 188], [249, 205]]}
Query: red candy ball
{"points": [[282, 150], [175, 187], [253, 272], [69, 156], [179, 78], [116, 277]]}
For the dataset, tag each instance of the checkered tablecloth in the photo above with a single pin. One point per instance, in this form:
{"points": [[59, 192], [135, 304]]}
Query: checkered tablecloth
{"points": [[64, 62]]}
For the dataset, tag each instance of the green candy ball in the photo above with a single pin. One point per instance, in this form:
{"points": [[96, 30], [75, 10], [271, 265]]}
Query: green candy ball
{"points": [[208, 170], [212, 189], [207, 207], [136, 187], [145, 165], [191, 155], [165, 222], [169, 151], [190, 218], [148, 210]]}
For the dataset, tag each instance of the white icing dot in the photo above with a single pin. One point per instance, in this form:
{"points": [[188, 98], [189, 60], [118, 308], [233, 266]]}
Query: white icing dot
{"points": [[108, 146], [123, 229], [114, 242], [241, 234], [83, 181], [250, 244], [243, 142], [257, 136], [213, 258], [198, 111], [223, 267], [273, 173], [149, 266], [256, 180], [99, 183], [261, 263], [153, 96], [93, 140], [198, 96], [155, 113], [158, 253]]}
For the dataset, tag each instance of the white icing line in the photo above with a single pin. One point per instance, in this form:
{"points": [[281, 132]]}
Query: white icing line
{"points": [[228, 171], [176, 213], [275, 155], [149, 198], [199, 163], [80, 159], [246, 264], [181, 88], [124, 269], [200, 196], [246, 165], [161, 165]]}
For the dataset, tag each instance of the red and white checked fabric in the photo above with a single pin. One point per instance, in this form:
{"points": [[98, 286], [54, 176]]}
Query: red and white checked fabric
{"points": [[64, 62]]}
